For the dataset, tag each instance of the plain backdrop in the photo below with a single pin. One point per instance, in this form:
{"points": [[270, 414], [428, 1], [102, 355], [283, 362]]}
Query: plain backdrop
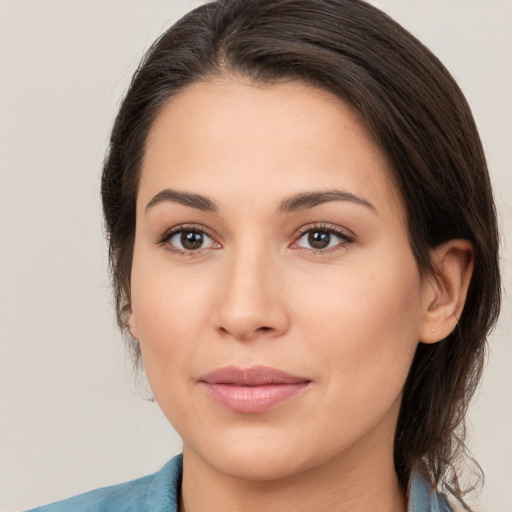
{"points": [[72, 413]]}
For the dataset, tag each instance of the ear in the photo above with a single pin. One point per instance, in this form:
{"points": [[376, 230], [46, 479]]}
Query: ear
{"points": [[132, 325], [445, 293]]}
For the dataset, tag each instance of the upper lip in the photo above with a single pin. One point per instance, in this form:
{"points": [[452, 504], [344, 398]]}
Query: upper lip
{"points": [[253, 376]]}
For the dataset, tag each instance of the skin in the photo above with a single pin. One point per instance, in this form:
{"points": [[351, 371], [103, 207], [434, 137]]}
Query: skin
{"points": [[347, 317]]}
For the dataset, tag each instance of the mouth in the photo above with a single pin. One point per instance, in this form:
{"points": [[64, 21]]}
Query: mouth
{"points": [[252, 390]]}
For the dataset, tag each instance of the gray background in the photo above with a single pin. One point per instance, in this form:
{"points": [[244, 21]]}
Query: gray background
{"points": [[72, 414]]}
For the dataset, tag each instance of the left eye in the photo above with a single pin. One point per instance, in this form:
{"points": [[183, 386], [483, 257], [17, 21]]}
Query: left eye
{"points": [[190, 240], [319, 239]]}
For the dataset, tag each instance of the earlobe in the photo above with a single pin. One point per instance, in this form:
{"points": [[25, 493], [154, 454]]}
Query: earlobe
{"points": [[445, 293], [132, 325]]}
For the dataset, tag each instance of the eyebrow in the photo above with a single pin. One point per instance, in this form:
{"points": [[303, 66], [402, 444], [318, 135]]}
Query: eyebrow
{"points": [[307, 200], [192, 200], [298, 202]]}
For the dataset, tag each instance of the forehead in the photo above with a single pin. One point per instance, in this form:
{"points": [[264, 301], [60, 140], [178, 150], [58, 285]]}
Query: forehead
{"points": [[279, 139]]}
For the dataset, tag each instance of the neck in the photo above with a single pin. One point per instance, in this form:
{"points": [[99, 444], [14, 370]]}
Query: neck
{"points": [[358, 482]]}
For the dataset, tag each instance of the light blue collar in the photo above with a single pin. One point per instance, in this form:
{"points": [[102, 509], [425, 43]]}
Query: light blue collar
{"points": [[423, 498]]}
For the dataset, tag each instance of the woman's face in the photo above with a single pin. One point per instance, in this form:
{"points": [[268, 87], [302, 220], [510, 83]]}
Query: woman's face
{"points": [[274, 292]]}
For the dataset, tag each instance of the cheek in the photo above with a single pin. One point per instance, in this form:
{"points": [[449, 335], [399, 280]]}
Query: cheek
{"points": [[171, 315], [171, 310], [366, 321]]}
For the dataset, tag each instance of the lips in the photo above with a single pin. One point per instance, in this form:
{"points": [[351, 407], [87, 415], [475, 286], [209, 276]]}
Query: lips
{"points": [[252, 390]]}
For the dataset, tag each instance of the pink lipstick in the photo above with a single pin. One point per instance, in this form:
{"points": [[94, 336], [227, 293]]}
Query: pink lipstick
{"points": [[251, 390]]}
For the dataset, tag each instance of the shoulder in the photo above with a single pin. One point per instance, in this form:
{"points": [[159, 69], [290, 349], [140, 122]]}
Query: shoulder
{"points": [[158, 492]]}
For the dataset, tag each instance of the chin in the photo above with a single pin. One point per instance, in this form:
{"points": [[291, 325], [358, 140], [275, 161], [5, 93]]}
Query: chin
{"points": [[260, 466], [260, 456]]}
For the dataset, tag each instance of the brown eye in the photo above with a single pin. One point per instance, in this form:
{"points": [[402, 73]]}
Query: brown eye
{"points": [[322, 238], [319, 239], [190, 240]]}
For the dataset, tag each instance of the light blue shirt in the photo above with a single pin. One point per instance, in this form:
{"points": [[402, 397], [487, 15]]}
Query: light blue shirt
{"points": [[160, 493]]}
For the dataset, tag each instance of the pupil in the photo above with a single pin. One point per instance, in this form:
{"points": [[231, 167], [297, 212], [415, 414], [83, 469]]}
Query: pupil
{"points": [[319, 239], [192, 240]]}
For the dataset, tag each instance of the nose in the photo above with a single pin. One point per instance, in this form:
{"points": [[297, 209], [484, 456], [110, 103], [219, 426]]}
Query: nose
{"points": [[252, 301]]}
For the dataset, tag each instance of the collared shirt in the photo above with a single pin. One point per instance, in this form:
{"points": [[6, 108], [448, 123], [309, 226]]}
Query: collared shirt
{"points": [[160, 493]]}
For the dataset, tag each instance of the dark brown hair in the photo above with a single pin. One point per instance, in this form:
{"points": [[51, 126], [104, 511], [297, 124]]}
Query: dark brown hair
{"points": [[417, 114]]}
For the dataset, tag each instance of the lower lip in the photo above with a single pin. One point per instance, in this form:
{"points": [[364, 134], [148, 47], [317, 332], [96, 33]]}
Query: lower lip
{"points": [[252, 399]]}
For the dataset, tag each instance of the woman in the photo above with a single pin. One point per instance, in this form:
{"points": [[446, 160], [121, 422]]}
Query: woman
{"points": [[304, 253]]}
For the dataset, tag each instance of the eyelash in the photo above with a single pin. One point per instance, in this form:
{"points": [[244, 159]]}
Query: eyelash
{"points": [[345, 238]]}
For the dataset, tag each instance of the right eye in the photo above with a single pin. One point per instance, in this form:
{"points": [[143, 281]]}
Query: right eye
{"points": [[187, 240]]}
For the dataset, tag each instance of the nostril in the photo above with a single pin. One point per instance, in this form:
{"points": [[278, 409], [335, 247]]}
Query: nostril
{"points": [[264, 329]]}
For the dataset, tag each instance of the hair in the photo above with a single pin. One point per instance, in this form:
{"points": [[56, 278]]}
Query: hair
{"points": [[411, 106]]}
